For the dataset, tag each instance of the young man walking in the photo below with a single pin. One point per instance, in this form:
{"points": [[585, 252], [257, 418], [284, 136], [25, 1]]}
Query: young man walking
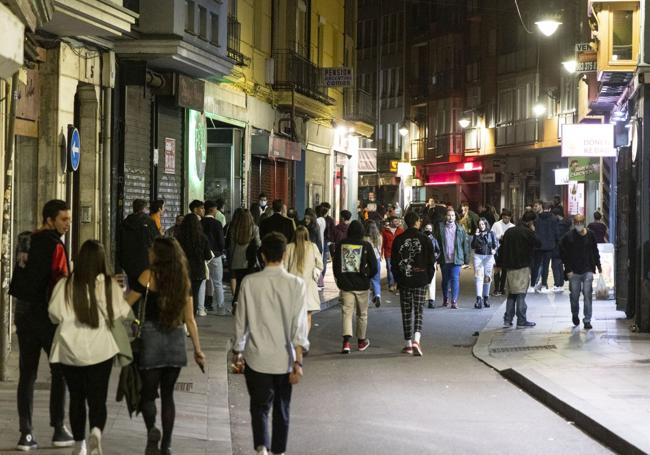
{"points": [[413, 263], [546, 230], [213, 230], [277, 222], [563, 227], [33, 280], [354, 265], [271, 334], [499, 229], [518, 246], [454, 243], [388, 236], [579, 252], [136, 235]]}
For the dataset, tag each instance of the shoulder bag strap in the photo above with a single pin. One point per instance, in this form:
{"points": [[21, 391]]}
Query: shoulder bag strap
{"points": [[142, 311]]}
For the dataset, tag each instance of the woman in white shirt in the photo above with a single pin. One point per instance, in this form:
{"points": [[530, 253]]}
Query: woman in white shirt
{"points": [[85, 306], [303, 259], [322, 225]]}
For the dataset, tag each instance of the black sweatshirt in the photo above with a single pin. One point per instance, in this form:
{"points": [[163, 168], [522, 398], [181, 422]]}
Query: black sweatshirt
{"points": [[579, 253], [354, 264]]}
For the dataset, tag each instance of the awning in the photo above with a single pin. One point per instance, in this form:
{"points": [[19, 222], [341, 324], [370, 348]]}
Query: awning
{"points": [[275, 147]]}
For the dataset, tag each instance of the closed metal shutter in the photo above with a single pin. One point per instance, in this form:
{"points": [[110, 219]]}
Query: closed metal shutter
{"points": [[270, 177], [137, 149], [170, 186]]}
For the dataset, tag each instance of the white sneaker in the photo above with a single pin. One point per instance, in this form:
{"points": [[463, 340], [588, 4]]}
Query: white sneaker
{"points": [[538, 289], [95, 442], [79, 448], [531, 289], [203, 313], [261, 450], [558, 289]]}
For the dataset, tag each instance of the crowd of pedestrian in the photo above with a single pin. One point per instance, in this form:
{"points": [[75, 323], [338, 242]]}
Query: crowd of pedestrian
{"points": [[276, 264]]}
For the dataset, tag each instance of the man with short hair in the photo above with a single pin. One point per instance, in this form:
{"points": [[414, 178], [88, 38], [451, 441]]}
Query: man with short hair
{"points": [[599, 228], [579, 252], [41, 266], [518, 246], [277, 222], [214, 232], [468, 219], [563, 227], [455, 254], [413, 262], [546, 232], [271, 334], [499, 229], [341, 229], [197, 207], [538, 207], [258, 208], [354, 264], [388, 235], [135, 236]]}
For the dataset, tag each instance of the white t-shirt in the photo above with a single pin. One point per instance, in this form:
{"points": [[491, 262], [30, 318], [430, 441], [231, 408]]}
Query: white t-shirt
{"points": [[322, 225], [77, 344], [499, 228]]}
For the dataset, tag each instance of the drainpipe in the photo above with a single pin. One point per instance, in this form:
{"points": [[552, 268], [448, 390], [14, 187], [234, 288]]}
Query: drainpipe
{"points": [[5, 250]]}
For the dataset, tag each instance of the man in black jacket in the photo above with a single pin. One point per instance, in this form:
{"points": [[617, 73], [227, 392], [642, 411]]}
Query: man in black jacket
{"points": [[579, 252], [277, 222], [413, 264], [517, 248], [135, 237], [563, 227], [546, 229], [38, 269], [354, 264], [214, 232]]}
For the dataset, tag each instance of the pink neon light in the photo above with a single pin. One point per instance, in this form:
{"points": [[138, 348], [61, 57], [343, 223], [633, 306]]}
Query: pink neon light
{"points": [[469, 167], [448, 182]]}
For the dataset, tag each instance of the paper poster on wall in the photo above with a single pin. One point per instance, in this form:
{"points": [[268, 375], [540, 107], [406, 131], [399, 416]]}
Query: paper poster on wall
{"points": [[576, 198], [170, 155], [561, 176]]}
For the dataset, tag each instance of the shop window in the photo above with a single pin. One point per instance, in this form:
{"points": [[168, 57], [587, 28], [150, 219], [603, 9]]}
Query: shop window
{"points": [[622, 35]]}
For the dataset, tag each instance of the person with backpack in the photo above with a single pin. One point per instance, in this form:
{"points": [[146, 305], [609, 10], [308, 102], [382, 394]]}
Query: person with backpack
{"points": [[484, 244], [413, 262], [136, 235], [85, 306], [354, 264], [40, 266]]}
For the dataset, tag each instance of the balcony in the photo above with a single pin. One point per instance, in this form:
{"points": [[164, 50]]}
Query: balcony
{"points": [[295, 72], [419, 149], [90, 17], [446, 148], [234, 41], [358, 105]]}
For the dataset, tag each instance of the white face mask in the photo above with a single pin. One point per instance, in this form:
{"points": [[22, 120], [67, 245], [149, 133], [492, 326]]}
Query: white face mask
{"points": [[579, 227], [262, 203]]}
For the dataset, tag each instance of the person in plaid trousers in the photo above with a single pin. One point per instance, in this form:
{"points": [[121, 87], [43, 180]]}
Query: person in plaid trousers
{"points": [[413, 264]]}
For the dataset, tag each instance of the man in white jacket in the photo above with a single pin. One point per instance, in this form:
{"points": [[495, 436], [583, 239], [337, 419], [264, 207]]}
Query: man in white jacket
{"points": [[271, 334]]}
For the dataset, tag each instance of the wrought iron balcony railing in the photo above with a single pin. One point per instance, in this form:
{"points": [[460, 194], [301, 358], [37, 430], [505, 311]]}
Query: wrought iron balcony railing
{"points": [[293, 71], [234, 41], [359, 105]]}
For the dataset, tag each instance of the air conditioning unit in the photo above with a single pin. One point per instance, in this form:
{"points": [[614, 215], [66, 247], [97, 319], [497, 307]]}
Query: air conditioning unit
{"points": [[270, 71]]}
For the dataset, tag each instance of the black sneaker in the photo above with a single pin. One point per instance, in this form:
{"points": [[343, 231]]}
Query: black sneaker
{"points": [[576, 321], [588, 326], [479, 303], [153, 438], [26, 442], [377, 301], [526, 324], [485, 302], [430, 304], [62, 437], [507, 324]]}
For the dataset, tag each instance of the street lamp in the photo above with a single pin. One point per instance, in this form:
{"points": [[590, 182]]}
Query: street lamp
{"points": [[403, 130], [539, 109], [548, 26], [464, 122], [570, 66]]}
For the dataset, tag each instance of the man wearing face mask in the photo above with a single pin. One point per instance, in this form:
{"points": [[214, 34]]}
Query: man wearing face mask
{"points": [[579, 253], [258, 208]]}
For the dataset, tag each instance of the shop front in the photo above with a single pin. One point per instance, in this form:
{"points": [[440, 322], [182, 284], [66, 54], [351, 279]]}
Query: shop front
{"points": [[272, 169]]}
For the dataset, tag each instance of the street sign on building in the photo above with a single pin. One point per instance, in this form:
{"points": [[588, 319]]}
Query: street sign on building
{"points": [[488, 177], [337, 77], [586, 58]]}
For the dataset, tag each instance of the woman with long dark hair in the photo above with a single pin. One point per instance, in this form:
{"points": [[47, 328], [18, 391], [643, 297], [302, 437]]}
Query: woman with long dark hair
{"points": [[85, 306], [243, 241], [165, 290], [197, 250]]}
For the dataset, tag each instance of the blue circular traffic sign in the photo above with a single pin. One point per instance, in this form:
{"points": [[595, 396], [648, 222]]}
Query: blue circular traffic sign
{"points": [[75, 149]]}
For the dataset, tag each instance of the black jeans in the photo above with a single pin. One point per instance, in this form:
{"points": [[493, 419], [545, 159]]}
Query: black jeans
{"points": [[35, 333], [264, 390], [87, 384], [196, 286], [540, 267], [500, 280], [165, 380], [558, 271]]}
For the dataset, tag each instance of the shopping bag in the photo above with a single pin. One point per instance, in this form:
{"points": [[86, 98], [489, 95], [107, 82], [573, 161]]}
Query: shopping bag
{"points": [[602, 292]]}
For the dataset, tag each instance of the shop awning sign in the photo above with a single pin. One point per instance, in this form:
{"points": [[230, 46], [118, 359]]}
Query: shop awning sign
{"points": [[337, 77], [584, 169], [588, 140]]}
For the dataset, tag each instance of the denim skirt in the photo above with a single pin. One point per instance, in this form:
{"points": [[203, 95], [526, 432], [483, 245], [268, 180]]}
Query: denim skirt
{"points": [[162, 347]]}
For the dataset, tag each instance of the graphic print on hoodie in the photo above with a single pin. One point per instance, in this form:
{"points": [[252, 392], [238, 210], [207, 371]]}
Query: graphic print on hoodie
{"points": [[351, 258], [408, 251]]}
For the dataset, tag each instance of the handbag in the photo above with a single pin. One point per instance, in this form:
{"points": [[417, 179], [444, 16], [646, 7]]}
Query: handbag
{"points": [[119, 332]]}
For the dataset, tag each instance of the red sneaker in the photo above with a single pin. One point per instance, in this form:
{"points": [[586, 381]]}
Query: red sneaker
{"points": [[362, 345], [346, 347], [407, 350], [417, 351]]}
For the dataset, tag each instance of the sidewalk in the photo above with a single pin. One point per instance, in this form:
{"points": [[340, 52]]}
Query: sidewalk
{"points": [[202, 408], [597, 379]]}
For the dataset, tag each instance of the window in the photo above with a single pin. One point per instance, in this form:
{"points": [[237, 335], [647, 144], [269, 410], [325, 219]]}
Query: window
{"points": [[232, 8], [203, 23], [189, 16], [214, 29], [505, 106], [622, 35], [302, 29]]}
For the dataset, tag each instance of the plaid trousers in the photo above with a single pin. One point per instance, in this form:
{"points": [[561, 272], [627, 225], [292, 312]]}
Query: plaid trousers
{"points": [[412, 301]]}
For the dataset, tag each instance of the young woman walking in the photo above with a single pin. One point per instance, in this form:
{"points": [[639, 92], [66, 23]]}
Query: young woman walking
{"points": [[484, 245], [85, 306], [303, 259], [242, 242], [197, 250], [373, 236], [165, 289]]}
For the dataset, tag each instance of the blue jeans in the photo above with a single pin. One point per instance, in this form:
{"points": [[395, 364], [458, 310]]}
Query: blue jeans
{"points": [[450, 277], [215, 266], [375, 281], [581, 283], [516, 302], [389, 273]]}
